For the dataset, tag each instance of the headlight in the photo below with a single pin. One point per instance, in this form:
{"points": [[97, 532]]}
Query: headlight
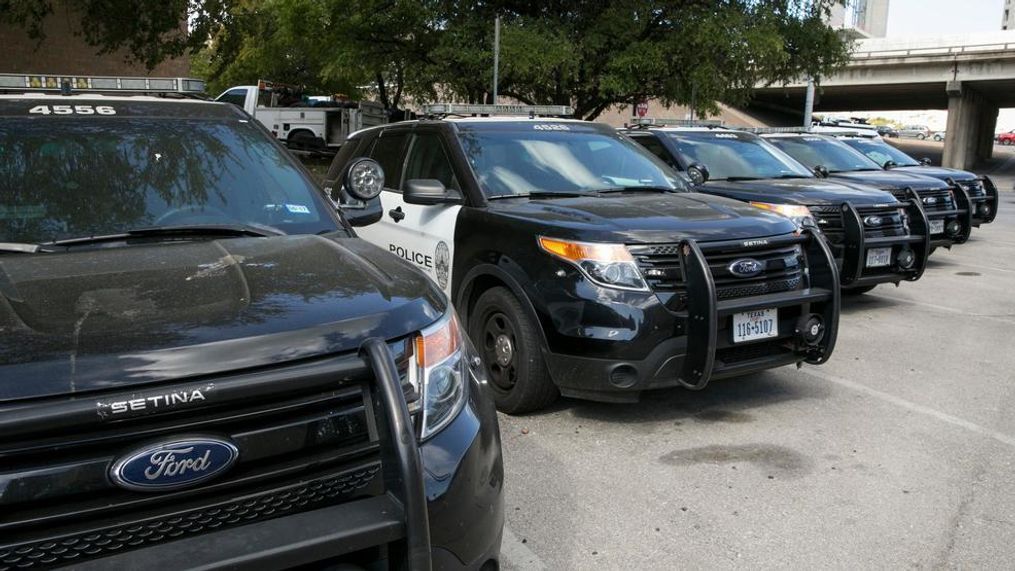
{"points": [[441, 369], [608, 265], [795, 212]]}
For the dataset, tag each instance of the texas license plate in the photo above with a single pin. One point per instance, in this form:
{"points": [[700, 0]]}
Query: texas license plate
{"points": [[757, 324], [879, 257], [937, 226]]}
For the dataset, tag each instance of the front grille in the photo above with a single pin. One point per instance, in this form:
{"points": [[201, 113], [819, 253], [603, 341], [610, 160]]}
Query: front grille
{"points": [[974, 188], [878, 221], [106, 541], [307, 437], [660, 264], [936, 200]]}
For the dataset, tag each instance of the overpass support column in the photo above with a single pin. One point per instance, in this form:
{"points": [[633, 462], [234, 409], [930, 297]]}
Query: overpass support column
{"points": [[971, 122]]}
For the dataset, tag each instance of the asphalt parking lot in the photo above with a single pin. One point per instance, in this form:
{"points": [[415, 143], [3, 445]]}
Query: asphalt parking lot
{"points": [[899, 452]]}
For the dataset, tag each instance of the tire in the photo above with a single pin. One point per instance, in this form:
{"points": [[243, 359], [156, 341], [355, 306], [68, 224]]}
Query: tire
{"points": [[302, 140], [921, 136], [519, 380], [859, 290]]}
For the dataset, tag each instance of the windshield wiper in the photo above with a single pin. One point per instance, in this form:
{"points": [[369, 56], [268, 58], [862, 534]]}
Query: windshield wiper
{"points": [[544, 194], [21, 248], [636, 188], [738, 178], [225, 230]]}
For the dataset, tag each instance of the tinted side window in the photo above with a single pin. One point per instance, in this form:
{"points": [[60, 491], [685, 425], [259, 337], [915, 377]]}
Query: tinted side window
{"points": [[235, 96], [656, 148], [388, 152], [428, 159]]}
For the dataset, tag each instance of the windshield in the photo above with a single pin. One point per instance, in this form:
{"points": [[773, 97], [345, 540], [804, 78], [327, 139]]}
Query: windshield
{"points": [[833, 155], [881, 152], [732, 156], [525, 158], [64, 178]]}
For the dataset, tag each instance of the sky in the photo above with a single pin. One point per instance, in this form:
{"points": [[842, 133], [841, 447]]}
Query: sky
{"points": [[929, 17]]}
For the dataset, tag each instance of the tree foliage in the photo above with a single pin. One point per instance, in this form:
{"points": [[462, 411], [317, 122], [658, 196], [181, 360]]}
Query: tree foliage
{"points": [[591, 54]]}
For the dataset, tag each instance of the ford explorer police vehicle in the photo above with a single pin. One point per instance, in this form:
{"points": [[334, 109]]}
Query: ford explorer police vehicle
{"points": [[581, 264], [981, 189], [201, 365], [874, 237], [948, 208]]}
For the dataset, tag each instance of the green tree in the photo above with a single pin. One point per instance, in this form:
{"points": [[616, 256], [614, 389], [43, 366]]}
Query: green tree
{"points": [[591, 54]]}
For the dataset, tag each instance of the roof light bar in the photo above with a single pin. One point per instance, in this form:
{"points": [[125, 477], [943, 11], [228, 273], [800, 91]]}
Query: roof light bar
{"points": [[651, 121], [769, 130], [499, 109], [40, 82]]}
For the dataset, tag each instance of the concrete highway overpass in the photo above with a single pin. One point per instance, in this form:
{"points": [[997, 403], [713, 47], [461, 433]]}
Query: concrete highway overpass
{"points": [[971, 76]]}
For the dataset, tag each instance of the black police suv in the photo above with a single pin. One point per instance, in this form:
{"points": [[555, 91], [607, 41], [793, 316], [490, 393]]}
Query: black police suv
{"points": [[581, 264], [202, 366], [874, 237], [981, 189], [948, 208]]}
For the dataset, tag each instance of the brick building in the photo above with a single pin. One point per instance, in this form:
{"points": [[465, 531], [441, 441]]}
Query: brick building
{"points": [[64, 51]]}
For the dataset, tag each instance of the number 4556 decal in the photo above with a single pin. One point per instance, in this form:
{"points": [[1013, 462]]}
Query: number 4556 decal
{"points": [[72, 110]]}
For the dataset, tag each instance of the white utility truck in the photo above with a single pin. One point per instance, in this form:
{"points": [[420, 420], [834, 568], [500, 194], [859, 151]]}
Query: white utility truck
{"points": [[318, 124]]}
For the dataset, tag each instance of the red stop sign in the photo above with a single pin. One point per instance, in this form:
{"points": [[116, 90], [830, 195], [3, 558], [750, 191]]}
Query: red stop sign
{"points": [[641, 108]]}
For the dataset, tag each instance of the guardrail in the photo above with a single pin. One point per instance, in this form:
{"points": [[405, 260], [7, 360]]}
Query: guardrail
{"points": [[937, 50]]}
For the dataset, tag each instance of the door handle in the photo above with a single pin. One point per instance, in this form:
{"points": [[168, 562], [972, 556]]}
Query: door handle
{"points": [[396, 214]]}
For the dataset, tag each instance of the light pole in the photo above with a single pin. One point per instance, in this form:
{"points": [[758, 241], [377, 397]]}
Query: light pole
{"points": [[496, 55]]}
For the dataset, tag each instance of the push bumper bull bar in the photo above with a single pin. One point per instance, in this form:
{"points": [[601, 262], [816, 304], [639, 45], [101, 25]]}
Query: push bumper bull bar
{"points": [[857, 244], [399, 517], [705, 310]]}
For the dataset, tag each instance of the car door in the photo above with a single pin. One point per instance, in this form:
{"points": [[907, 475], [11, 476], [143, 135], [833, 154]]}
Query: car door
{"points": [[421, 234]]}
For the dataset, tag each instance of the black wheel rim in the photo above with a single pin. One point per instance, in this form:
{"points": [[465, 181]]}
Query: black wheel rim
{"points": [[500, 350]]}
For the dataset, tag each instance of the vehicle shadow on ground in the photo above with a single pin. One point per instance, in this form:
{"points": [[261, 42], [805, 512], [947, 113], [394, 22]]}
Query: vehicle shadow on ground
{"points": [[724, 401]]}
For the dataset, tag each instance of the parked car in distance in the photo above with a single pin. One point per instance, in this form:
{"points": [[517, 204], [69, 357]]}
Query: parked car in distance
{"points": [[947, 208], [318, 124], [581, 264], [887, 131], [940, 136], [200, 362], [981, 189], [915, 132], [874, 237], [1006, 138]]}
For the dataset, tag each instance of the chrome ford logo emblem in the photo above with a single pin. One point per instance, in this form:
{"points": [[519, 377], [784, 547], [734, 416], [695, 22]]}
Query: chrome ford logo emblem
{"points": [[746, 267], [174, 464], [930, 200], [872, 221]]}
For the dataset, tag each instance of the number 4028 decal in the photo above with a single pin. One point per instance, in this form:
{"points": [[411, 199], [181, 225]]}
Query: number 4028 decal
{"points": [[72, 110]]}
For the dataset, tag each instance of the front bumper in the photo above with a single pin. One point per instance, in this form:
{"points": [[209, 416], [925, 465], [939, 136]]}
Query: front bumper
{"points": [[984, 208], [854, 271], [962, 215], [441, 508], [660, 346]]}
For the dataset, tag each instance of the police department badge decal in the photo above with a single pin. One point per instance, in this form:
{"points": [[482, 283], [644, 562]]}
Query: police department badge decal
{"points": [[442, 264]]}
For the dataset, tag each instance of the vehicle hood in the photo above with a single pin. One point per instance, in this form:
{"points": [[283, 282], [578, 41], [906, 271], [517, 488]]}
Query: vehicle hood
{"points": [[940, 173], [642, 217], [805, 191], [892, 179], [124, 316]]}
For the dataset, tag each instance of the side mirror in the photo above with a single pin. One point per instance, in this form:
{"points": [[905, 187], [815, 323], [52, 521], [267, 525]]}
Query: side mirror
{"points": [[821, 171], [427, 191], [890, 164], [698, 173], [925, 161]]}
